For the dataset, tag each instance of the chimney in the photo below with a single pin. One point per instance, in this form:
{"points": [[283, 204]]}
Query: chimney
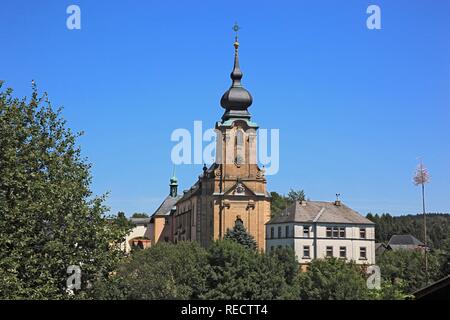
{"points": [[338, 201]]}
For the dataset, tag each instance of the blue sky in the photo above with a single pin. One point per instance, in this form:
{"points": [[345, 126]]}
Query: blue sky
{"points": [[355, 107]]}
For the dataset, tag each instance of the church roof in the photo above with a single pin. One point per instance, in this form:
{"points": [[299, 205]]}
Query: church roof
{"points": [[321, 212], [166, 206], [236, 99]]}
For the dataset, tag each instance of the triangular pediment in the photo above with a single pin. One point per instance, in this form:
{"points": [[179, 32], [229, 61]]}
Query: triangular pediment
{"points": [[239, 189]]}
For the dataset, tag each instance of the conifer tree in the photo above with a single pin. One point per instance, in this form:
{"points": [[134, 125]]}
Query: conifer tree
{"points": [[240, 235]]}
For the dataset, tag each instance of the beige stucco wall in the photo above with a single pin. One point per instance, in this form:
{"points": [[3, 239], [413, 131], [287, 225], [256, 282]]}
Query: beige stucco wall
{"points": [[352, 241], [144, 231]]}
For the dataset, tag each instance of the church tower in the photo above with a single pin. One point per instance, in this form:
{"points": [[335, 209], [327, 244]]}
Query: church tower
{"points": [[234, 187]]}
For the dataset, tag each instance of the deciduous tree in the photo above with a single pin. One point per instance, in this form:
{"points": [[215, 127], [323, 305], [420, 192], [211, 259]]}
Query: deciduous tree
{"points": [[49, 218]]}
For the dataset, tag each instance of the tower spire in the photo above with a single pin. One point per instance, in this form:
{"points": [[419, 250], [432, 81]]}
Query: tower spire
{"points": [[173, 184], [237, 99]]}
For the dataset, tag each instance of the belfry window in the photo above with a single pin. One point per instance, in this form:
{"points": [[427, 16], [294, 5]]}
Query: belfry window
{"points": [[239, 147]]}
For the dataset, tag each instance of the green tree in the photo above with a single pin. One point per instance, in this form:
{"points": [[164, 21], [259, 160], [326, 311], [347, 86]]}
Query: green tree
{"points": [[49, 219], [279, 203], [288, 261], [242, 274], [438, 225], [444, 258], [140, 215], [295, 195], [122, 221], [408, 266], [240, 235], [164, 271], [333, 279], [390, 291]]}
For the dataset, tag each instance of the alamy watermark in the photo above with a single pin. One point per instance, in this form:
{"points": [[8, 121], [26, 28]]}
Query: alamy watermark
{"points": [[230, 146], [73, 282], [73, 21], [373, 22], [374, 279]]}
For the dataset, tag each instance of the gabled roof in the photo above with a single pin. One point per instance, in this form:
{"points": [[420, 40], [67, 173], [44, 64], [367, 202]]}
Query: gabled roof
{"points": [[166, 206], [379, 245], [404, 240], [321, 212]]}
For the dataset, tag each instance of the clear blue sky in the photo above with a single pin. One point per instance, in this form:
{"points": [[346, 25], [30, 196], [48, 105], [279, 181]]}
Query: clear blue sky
{"points": [[355, 107]]}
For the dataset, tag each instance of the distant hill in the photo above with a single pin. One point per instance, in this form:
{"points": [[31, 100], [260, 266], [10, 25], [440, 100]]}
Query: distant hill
{"points": [[438, 227]]}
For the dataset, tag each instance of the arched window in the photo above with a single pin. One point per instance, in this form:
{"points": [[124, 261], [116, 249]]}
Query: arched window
{"points": [[239, 149]]}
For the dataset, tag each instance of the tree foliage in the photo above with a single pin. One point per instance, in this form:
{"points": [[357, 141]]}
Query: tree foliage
{"points": [[408, 267], [164, 271], [333, 279], [281, 202], [49, 219], [242, 274], [438, 226], [240, 235], [140, 215]]}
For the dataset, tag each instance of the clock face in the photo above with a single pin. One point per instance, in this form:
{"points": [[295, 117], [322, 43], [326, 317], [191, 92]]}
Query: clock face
{"points": [[240, 189], [239, 160]]}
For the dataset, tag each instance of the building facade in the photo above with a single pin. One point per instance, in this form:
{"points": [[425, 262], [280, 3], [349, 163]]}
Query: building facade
{"points": [[318, 229], [232, 188]]}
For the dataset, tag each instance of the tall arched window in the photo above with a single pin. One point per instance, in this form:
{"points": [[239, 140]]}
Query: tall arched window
{"points": [[240, 154]]}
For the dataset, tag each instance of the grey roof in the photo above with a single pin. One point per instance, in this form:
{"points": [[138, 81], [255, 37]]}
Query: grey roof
{"points": [[404, 240], [188, 193], [237, 99], [321, 212], [166, 206], [140, 221], [380, 247]]}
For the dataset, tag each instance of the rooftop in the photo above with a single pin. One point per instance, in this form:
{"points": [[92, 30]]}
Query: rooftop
{"points": [[404, 240], [321, 212], [167, 206]]}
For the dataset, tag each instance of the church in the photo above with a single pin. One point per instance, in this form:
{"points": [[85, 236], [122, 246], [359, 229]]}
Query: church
{"points": [[231, 189], [234, 189]]}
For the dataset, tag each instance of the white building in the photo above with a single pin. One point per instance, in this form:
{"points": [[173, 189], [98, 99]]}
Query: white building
{"points": [[317, 229]]}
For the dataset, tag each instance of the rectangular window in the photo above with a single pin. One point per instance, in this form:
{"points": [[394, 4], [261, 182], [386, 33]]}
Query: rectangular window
{"points": [[286, 232], [272, 232], [306, 231], [343, 252], [335, 232], [306, 253], [362, 253], [362, 233], [329, 252], [279, 232], [329, 234], [342, 232]]}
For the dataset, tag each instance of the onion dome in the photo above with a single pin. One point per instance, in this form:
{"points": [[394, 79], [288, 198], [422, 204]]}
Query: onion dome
{"points": [[237, 99]]}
